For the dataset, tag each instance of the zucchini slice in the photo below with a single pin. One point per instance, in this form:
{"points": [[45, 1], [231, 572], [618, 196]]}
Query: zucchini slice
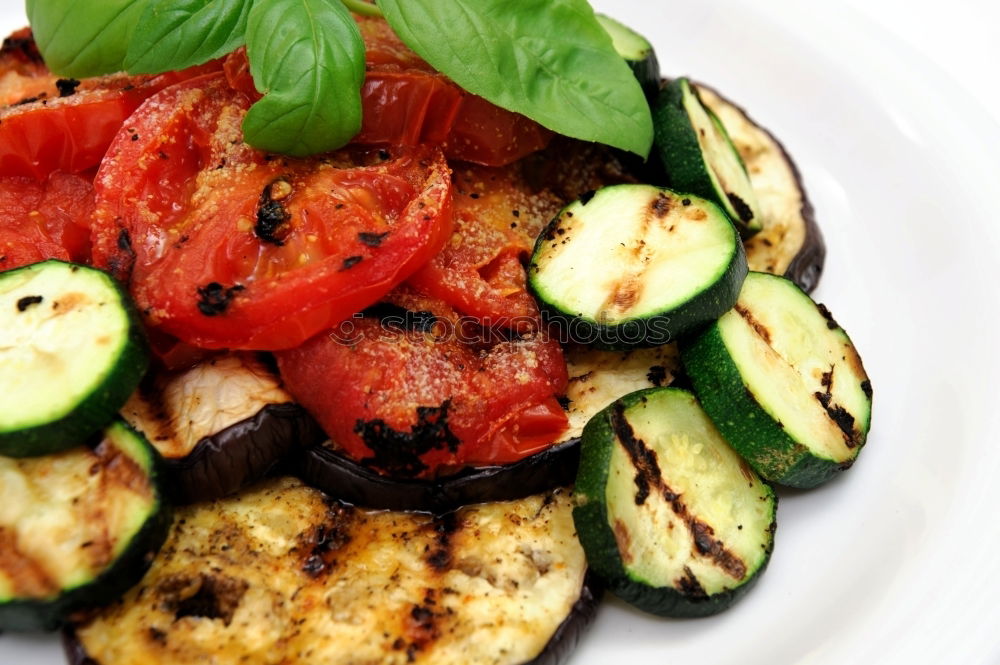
{"points": [[699, 156], [636, 265], [71, 352], [668, 514], [637, 52], [220, 425], [783, 383], [790, 242], [282, 573], [77, 528]]}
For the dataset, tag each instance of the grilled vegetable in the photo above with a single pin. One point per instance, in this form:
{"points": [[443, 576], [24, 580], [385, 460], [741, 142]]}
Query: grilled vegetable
{"points": [[636, 265], [284, 574], [219, 425], [637, 52], [789, 242], [783, 383], [597, 378], [328, 469], [71, 351], [77, 528], [667, 512], [699, 156]]}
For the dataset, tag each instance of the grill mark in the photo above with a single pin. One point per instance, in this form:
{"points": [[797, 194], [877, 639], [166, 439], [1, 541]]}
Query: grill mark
{"points": [[27, 576], [439, 558], [204, 596], [841, 417], [741, 207], [757, 326], [326, 540], [648, 476], [661, 205], [624, 540], [689, 585]]}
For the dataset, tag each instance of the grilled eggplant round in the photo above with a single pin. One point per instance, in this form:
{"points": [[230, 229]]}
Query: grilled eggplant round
{"points": [[77, 528], [790, 242], [220, 425], [285, 572]]}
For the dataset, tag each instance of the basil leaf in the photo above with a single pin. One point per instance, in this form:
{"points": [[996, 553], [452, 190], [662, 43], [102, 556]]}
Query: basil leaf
{"points": [[83, 38], [174, 34], [547, 59], [308, 59]]}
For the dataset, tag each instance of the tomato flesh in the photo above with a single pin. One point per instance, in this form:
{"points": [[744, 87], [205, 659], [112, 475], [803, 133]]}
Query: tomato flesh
{"points": [[47, 220], [228, 248], [421, 402]]}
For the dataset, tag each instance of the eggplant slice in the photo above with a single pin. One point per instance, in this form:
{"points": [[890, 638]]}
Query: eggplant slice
{"points": [[220, 425], [284, 574], [597, 378], [790, 243]]}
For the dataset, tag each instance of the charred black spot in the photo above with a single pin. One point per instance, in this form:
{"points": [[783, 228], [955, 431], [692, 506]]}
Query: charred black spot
{"points": [[272, 217], [205, 596], [685, 202], [214, 298], [827, 380], [689, 585], [661, 205], [125, 242], [830, 323], [398, 452], [67, 87], [740, 206], [866, 388], [647, 468], [657, 375], [327, 539], [564, 401], [157, 635], [21, 46], [840, 416], [440, 558], [27, 301], [587, 196], [29, 100], [372, 239], [350, 262]]}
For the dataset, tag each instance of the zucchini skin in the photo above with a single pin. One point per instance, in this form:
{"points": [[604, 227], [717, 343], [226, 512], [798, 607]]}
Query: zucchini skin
{"points": [[658, 328], [50, 614], [326, 469], [602, 548], [680, 153], [774, 454], [98, 408]]}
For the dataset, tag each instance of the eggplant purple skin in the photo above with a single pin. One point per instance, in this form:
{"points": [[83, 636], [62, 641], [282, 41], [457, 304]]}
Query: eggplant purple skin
{"points": [[563, 642], [241, 454], [349, 481], [557, 650]]}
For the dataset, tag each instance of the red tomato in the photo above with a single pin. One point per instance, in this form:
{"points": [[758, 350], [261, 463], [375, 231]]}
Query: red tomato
{"points": [[47, 220], [424, 401], [72, 133], [497, 216], [405, 102], [229, 248]]}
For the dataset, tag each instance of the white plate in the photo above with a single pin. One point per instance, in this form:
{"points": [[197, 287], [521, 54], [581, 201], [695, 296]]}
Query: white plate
{"points": [[895, 562]]}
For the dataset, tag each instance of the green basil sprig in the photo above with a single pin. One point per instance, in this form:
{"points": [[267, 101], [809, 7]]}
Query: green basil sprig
{"points": [[547, 59]]}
